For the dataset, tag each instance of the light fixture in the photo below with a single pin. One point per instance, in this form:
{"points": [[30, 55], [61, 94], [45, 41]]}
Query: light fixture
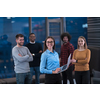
{"points": [[85, 25], [8, 17]]}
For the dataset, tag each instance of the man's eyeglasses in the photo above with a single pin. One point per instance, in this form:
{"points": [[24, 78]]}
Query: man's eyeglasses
{"points": [[50, 42]]}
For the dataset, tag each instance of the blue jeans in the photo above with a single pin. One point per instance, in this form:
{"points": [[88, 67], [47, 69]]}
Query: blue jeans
{"points": [[23, 78], [37, 74]]}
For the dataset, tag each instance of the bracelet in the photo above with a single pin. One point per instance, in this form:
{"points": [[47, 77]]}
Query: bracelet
{"points": [[76, 61]]}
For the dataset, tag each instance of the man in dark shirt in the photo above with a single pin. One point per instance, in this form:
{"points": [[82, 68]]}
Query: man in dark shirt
{"points": [[36, 51], [66, 49]]}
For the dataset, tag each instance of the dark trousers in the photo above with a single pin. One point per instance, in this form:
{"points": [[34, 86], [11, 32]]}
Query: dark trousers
{"points": [[37, 74], [68, 75], [82, 77], [52, 79]]}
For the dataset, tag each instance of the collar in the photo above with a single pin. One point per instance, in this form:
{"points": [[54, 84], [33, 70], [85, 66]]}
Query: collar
{"points": [[50, 51], [32, 42]]}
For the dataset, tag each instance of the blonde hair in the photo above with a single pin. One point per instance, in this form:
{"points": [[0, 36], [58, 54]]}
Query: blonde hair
{"points": [[85, 44]]}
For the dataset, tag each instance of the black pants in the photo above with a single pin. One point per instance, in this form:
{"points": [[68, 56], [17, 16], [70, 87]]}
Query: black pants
{"points": [[82, 77], [68, 75], [52, 79]]}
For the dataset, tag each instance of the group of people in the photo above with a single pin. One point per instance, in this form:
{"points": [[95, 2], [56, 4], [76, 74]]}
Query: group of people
{"points": [[31, 57], [27, 59]]}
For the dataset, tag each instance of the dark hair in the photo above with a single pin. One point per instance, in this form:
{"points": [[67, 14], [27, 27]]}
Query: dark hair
{"points": [[65, 34], [31, 34], [45, 47], [19, 35], [85, 44]]}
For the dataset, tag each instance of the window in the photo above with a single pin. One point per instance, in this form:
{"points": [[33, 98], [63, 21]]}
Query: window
{"points": [[9, 27], [39, 29], [75, 27]]}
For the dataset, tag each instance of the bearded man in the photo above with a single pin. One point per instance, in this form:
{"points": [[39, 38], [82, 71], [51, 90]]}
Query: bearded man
{"points": [[66, 49], [22, 57]]}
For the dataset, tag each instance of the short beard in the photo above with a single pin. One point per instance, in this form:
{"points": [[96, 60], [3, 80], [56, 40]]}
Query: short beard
{"points": [[32, 41], [20, 44], [65, 42]]}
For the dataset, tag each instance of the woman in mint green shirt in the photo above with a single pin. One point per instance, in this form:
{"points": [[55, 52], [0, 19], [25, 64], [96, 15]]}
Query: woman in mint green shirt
{"points": [[50, 62]]}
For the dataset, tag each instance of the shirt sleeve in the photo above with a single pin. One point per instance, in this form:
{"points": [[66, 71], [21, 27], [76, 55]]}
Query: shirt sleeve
{"points": [[73, 57], [71, 50], [43, 68], [19, 58], [39, 54], [60, 52], [30, 56]]}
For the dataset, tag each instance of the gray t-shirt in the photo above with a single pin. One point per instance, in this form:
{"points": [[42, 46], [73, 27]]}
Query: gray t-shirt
{"points": [[21, 63]]}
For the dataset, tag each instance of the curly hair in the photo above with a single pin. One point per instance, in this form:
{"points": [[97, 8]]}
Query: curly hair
{"points": [[65, 34]]}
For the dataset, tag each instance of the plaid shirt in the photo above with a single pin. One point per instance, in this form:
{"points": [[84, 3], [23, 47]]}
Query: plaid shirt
{"points": [[66, 50]]}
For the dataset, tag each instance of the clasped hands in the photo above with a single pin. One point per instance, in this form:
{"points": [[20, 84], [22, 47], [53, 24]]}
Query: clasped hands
{"points": [[56, 71]]}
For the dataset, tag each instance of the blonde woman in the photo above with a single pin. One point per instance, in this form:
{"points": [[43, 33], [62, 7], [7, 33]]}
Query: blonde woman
{"points": [[81, 58]]}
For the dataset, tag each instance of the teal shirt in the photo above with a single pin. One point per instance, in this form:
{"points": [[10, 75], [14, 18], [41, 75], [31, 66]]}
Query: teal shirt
{"points": [[49, 62]]}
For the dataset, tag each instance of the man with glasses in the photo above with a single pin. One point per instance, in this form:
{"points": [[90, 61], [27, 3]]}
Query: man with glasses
{"points": [[36, 51]]}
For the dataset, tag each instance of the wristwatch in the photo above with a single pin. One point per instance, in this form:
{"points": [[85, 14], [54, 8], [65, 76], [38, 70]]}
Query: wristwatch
{"points": [[33, 54], [76, 61]]}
